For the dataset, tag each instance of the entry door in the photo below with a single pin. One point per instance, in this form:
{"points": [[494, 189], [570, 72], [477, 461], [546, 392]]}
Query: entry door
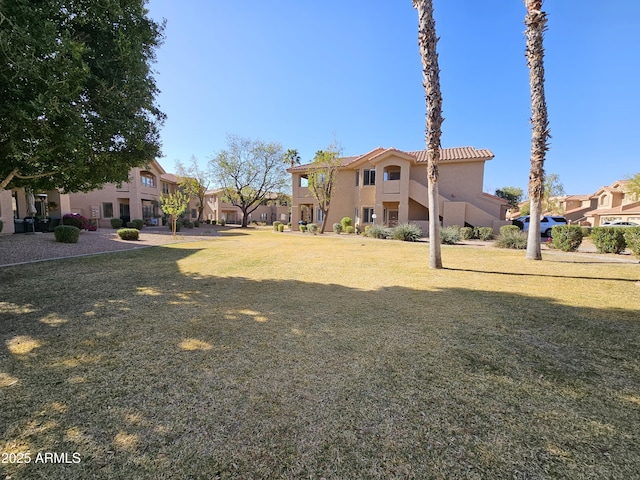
{"points": [[393, 218]]}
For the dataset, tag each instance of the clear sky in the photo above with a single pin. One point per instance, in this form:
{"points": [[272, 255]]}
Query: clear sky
{"points": [[301, 72]]}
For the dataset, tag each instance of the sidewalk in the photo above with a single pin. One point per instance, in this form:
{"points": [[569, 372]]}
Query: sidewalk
{"points": [[25, 248]]}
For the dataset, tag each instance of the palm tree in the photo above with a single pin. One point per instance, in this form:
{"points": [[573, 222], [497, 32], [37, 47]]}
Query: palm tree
{"points": [[292, 157], [427, 40], [536, 21]]}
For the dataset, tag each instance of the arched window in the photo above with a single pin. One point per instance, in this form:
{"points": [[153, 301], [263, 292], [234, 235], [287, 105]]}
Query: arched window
{"points": [[391, 172], [147, 179]]}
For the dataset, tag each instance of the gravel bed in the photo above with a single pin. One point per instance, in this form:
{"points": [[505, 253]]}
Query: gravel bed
{"points": [[25, 248]]}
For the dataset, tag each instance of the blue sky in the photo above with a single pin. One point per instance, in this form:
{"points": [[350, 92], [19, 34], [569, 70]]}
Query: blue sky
{"points": [[300, 73]]}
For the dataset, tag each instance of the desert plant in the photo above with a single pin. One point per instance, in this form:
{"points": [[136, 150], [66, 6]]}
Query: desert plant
{"points": [[303, 228], [281, 227], [566, 237], [450, 235], [138, 223], [484, 233], [632, 239], [509, 228], [466, 233], [313, 228], [350, 230], [376, 231], [116, 223], [66, 233], [346, 222], [407, 232], [276, 226], [512, 238], [608, 239], [75, 220], [129, 233], [337, 228]]}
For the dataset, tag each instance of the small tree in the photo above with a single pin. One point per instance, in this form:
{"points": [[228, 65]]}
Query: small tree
{"points": [[513, 195], [322, 177], [174, 204], [553, 189], [632, 187], [194, 181]]}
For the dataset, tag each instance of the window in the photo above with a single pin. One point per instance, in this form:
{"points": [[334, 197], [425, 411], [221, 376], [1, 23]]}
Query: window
{"points": [[304, 181], [369, 177], [367, 215], [357, 178], [165, 188], [147, 179], [391, 173], [194, 213], [107, 210], [319, 216]]}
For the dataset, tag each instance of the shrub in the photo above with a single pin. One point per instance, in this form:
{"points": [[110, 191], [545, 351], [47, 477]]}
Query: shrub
{"points": [[187, 223], [608, 239], [350, 229], [376, 231], [484, 233], [178, 226], [130, 225], [196, 224], [138, 223], [75, 220], [566, 237], [312, 227], [303, 228], [129, 233], [346, 222], [516, 239], [450, 235], [223, 222], [586, 231], [632, 238], [466, 233], [116, 223], [276, 226], [509, 228], [66, 233], [407, 232], [337, 228], [281, 227]]}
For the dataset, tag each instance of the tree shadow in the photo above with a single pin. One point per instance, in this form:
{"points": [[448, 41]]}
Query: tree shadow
{"points": [[541, 275], [171, 375]]}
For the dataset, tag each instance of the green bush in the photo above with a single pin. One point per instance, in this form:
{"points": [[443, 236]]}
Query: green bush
{"points": [[337, 228], [586, 231], [116, 223], [450, 235], [276, 226], [129, 233], [484, 233], [566, 237], [196, 224], [509, 228], [303, 228], [632, 238], [510, 238], [281, 227], [350, 229], [407, 232], [178, 226], [466, 233], [138, 223], [608, 239], [66, 233], [130, 225], [376, 231], [312, 227], [346, 222]]}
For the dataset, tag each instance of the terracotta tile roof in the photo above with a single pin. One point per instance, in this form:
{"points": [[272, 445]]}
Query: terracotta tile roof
{"points": [[446, 154], [169, 177]]}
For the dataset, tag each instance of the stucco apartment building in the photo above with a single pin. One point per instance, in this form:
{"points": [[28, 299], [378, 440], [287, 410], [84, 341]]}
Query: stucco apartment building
{"points": [[387, 186]]}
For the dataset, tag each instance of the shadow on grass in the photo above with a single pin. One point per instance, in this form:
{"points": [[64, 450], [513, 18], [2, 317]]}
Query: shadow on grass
{"points": [[150, 373], [541, 275]]}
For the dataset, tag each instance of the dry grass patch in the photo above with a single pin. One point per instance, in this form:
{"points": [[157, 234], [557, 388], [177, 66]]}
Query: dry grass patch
{"points": [[288, 356]]}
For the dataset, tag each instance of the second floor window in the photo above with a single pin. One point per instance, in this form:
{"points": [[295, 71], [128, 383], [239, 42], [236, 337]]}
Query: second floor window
{"points": [[147, 180], [369, 177]]}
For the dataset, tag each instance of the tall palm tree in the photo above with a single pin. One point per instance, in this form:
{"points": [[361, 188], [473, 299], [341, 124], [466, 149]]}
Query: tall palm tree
{"points": [[536, 21], [427, 40]]}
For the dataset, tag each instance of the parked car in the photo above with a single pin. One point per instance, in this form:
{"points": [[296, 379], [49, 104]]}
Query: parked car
{"points": [[546, 223], [621, 224]]}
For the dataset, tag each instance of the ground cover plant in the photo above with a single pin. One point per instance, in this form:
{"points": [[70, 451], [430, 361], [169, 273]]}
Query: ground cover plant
{"points": [[343, 358]]}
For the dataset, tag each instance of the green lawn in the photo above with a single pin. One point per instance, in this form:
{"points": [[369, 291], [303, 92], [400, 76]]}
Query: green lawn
{"points": [[264, 355]]}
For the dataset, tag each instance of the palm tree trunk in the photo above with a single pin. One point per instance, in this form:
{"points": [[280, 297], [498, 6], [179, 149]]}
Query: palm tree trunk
{"points": [[536, 21], [427, 40]]}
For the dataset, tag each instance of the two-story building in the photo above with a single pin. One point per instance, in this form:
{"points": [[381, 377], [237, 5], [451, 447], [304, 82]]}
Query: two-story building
{"points": [[614, 203], [388, 186]]}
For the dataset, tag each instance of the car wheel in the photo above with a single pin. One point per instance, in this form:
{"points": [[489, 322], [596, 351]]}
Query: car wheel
{"points": [[548, 232]]}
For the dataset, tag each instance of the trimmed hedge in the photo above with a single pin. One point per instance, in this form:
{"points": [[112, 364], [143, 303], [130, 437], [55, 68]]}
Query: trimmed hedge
{"points": [[566, 237], [116, 223], [632, 238], [66, 233], [609, 239], [350, 229], [129, 233]]}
